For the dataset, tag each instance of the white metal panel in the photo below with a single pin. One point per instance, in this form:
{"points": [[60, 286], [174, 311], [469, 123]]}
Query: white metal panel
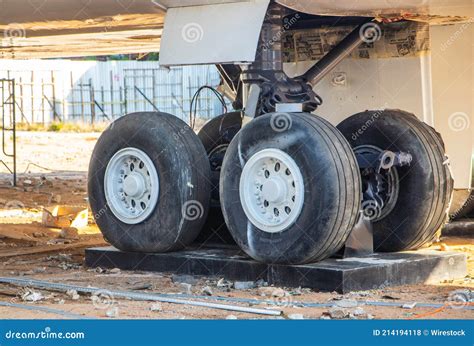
{"points": [[369, 84], [435, 11], [224, 33], [453, 95]]}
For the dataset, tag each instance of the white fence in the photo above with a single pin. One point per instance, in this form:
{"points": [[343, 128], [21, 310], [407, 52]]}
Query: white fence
{"points": [[92, 91]]}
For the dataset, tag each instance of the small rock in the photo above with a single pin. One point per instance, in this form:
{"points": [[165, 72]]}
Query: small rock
{"points": [[56, 199], [73, 294], [244, 285], [265, 291], [38, 235], [325, 317], [27, 182], [359, 312], [156, 307], [186, 288], [231, 317], [370, 317], [207, 291], [115, 271], [296, 316], [337, 313], [39, 270], [261, 283], [347, 303], [279, 293], [69, 233], [409, 305], [222, 283], [32, 296], [61, 301], [112, 312]]}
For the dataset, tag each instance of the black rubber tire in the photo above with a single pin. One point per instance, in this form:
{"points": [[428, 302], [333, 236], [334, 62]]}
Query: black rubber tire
{"points": [[217, 133], [331, 184], [425, 187], [183, 170]]}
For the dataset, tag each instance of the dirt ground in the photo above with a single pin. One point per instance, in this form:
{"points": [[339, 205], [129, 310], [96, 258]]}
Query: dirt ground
{"points": [[53, 169]]}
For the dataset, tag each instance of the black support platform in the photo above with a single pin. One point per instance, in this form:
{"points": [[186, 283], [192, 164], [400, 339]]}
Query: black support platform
{"points": [[342, 275]]}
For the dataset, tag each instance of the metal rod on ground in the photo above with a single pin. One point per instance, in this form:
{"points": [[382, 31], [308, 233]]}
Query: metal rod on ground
{"points": [[43, 309], [147, 99], [136, 296]]}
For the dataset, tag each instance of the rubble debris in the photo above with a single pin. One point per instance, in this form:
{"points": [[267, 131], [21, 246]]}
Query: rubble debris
{"points": [[141, 286], [296, 316], [337, 313], [186, 288], [409, 305], [207, 291], [265, 291], [115, 271], [359, 312], [279, 293], [261, 283], [386, 296], [65, 216], [73, 294], [56, 198], [156, 307], [32, 296], [244, 285], [27, 182], [222, 283], [112, 312]]}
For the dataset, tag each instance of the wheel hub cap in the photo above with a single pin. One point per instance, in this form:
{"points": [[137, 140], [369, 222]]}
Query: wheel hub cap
{"points": [[274, 190], [271, 190], [131, 185], [134, 185]]}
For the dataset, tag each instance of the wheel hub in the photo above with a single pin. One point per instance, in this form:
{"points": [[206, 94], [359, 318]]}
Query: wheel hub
{"points": [[131, 185], [271, 190], [274, 190]]}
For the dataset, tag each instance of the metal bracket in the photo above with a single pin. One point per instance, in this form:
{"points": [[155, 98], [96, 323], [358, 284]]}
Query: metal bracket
{"points": [[361, 240]]}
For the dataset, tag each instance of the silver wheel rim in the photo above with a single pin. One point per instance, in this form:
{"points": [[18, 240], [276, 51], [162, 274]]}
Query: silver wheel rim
{"points": [[131, 185], [271, 190]]}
